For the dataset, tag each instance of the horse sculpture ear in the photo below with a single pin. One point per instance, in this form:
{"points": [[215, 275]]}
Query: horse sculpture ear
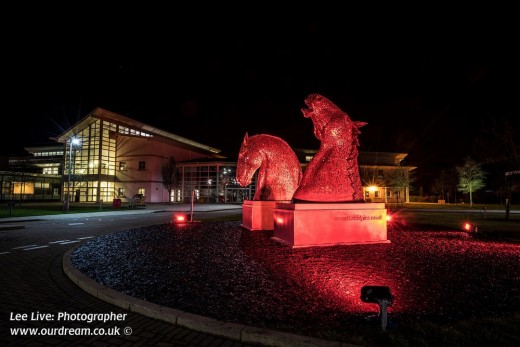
{"points": [[358, 124], [246, 138]]}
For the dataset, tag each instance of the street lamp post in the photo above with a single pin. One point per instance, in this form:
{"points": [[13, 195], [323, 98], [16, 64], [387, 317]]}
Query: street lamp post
{"points": [[73, 141]]}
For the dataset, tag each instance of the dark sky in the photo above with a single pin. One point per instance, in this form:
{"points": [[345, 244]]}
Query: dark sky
{"points": [[423, 88]]}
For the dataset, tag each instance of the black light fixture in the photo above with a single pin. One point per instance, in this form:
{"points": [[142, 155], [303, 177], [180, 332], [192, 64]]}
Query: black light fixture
{"points": [[380, 295]]}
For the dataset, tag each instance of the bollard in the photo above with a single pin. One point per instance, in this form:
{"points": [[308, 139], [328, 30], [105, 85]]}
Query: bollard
{"points": [[10, 204]]}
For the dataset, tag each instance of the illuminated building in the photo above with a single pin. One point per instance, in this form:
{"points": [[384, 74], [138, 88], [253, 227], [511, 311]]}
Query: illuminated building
{"points": [[119, 157]]}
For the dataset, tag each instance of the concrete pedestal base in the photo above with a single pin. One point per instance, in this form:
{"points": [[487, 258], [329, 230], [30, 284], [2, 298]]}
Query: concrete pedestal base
{"points": [[327, 224], [258, 215]]}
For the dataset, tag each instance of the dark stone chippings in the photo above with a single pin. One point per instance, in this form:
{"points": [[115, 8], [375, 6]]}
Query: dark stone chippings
{"points": [[223, 271]]}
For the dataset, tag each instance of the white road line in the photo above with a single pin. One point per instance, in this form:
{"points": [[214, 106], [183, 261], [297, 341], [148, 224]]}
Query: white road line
{"points": [[76, 223], [24, 246], [50, 243], [29, 249], [64, 243], [4, 253], [84, 238]]}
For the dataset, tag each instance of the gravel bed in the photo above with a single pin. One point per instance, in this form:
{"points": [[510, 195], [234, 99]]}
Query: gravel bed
{"points": [[221, 270]]}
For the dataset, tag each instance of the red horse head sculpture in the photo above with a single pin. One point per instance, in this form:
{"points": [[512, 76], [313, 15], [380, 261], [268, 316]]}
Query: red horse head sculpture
{"points": [[333, 174], [279, 171]]}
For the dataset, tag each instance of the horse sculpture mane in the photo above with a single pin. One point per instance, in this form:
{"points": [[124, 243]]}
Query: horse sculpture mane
{"points": [[279, 171]]}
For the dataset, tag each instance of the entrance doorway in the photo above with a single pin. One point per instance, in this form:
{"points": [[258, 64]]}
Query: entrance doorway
{"points": [[237, 195]]}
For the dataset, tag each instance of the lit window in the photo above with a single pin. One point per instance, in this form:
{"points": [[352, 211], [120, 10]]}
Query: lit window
{"points": [[308, 158], [376, 194], [121, 192], [367, 194], [122, 165]]}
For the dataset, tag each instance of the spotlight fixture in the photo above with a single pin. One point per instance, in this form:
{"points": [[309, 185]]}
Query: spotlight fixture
{"points": [[470, 228], [181, 218], [378, 295]]}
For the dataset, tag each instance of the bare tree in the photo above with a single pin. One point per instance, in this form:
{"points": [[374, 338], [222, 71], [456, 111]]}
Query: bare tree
{"points": [[169, 175], [499, 146], [471, 178], [399, 179], [498, 142], [446, 184]]}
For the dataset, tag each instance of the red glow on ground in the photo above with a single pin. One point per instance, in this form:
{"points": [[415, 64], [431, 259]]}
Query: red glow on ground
{"points": [[180, 218]]}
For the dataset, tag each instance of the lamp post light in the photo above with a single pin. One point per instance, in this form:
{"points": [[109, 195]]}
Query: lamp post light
{"points": [[72, 141]]}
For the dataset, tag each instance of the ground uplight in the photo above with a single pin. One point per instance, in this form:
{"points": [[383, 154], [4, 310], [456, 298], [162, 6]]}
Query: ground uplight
{"points": [[181, 218]]}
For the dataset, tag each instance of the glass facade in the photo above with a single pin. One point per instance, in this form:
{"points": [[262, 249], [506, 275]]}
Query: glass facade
{"points": [[210, 183], [29, 186], [91, 164]]}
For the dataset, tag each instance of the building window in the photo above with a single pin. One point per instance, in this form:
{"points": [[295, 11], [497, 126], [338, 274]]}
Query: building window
{"points": [[142, 165], [122, 165], [141, 191], [308, 158], [367, 194], [121, 192], [388, 193], [51, 170], [376, 194]]}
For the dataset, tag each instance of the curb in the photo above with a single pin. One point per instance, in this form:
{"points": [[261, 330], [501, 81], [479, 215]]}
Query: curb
{"points": [[229, 330]]}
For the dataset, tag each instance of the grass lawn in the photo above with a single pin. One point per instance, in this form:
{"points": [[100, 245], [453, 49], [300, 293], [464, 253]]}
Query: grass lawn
{"points": [[27, 209]]}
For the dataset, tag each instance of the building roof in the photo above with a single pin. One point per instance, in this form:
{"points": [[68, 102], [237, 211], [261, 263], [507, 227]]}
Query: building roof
{"points": [[100, 113], [366, 158]]}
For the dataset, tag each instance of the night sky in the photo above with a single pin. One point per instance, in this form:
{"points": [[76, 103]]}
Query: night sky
{"points": [[423, 88]]}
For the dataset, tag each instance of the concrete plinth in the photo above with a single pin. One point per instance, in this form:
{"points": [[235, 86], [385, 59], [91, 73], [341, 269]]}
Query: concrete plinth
{"points": [[327, 224], [258, 215]]}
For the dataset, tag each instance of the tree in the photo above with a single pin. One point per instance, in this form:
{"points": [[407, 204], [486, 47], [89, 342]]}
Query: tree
{"points": [[169, 175], [498, 146], [399, 181], [471, 178], [446, 184]]}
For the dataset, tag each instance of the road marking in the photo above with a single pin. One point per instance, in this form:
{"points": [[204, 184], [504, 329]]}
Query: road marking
{"points": [[30, 249], [60, 242], [50, 243], [76, 223], [24, 246]]}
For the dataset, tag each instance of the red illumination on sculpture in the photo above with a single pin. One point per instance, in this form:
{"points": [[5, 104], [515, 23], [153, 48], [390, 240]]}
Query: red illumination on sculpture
{"points": [[279, 171], [333, 174]]}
